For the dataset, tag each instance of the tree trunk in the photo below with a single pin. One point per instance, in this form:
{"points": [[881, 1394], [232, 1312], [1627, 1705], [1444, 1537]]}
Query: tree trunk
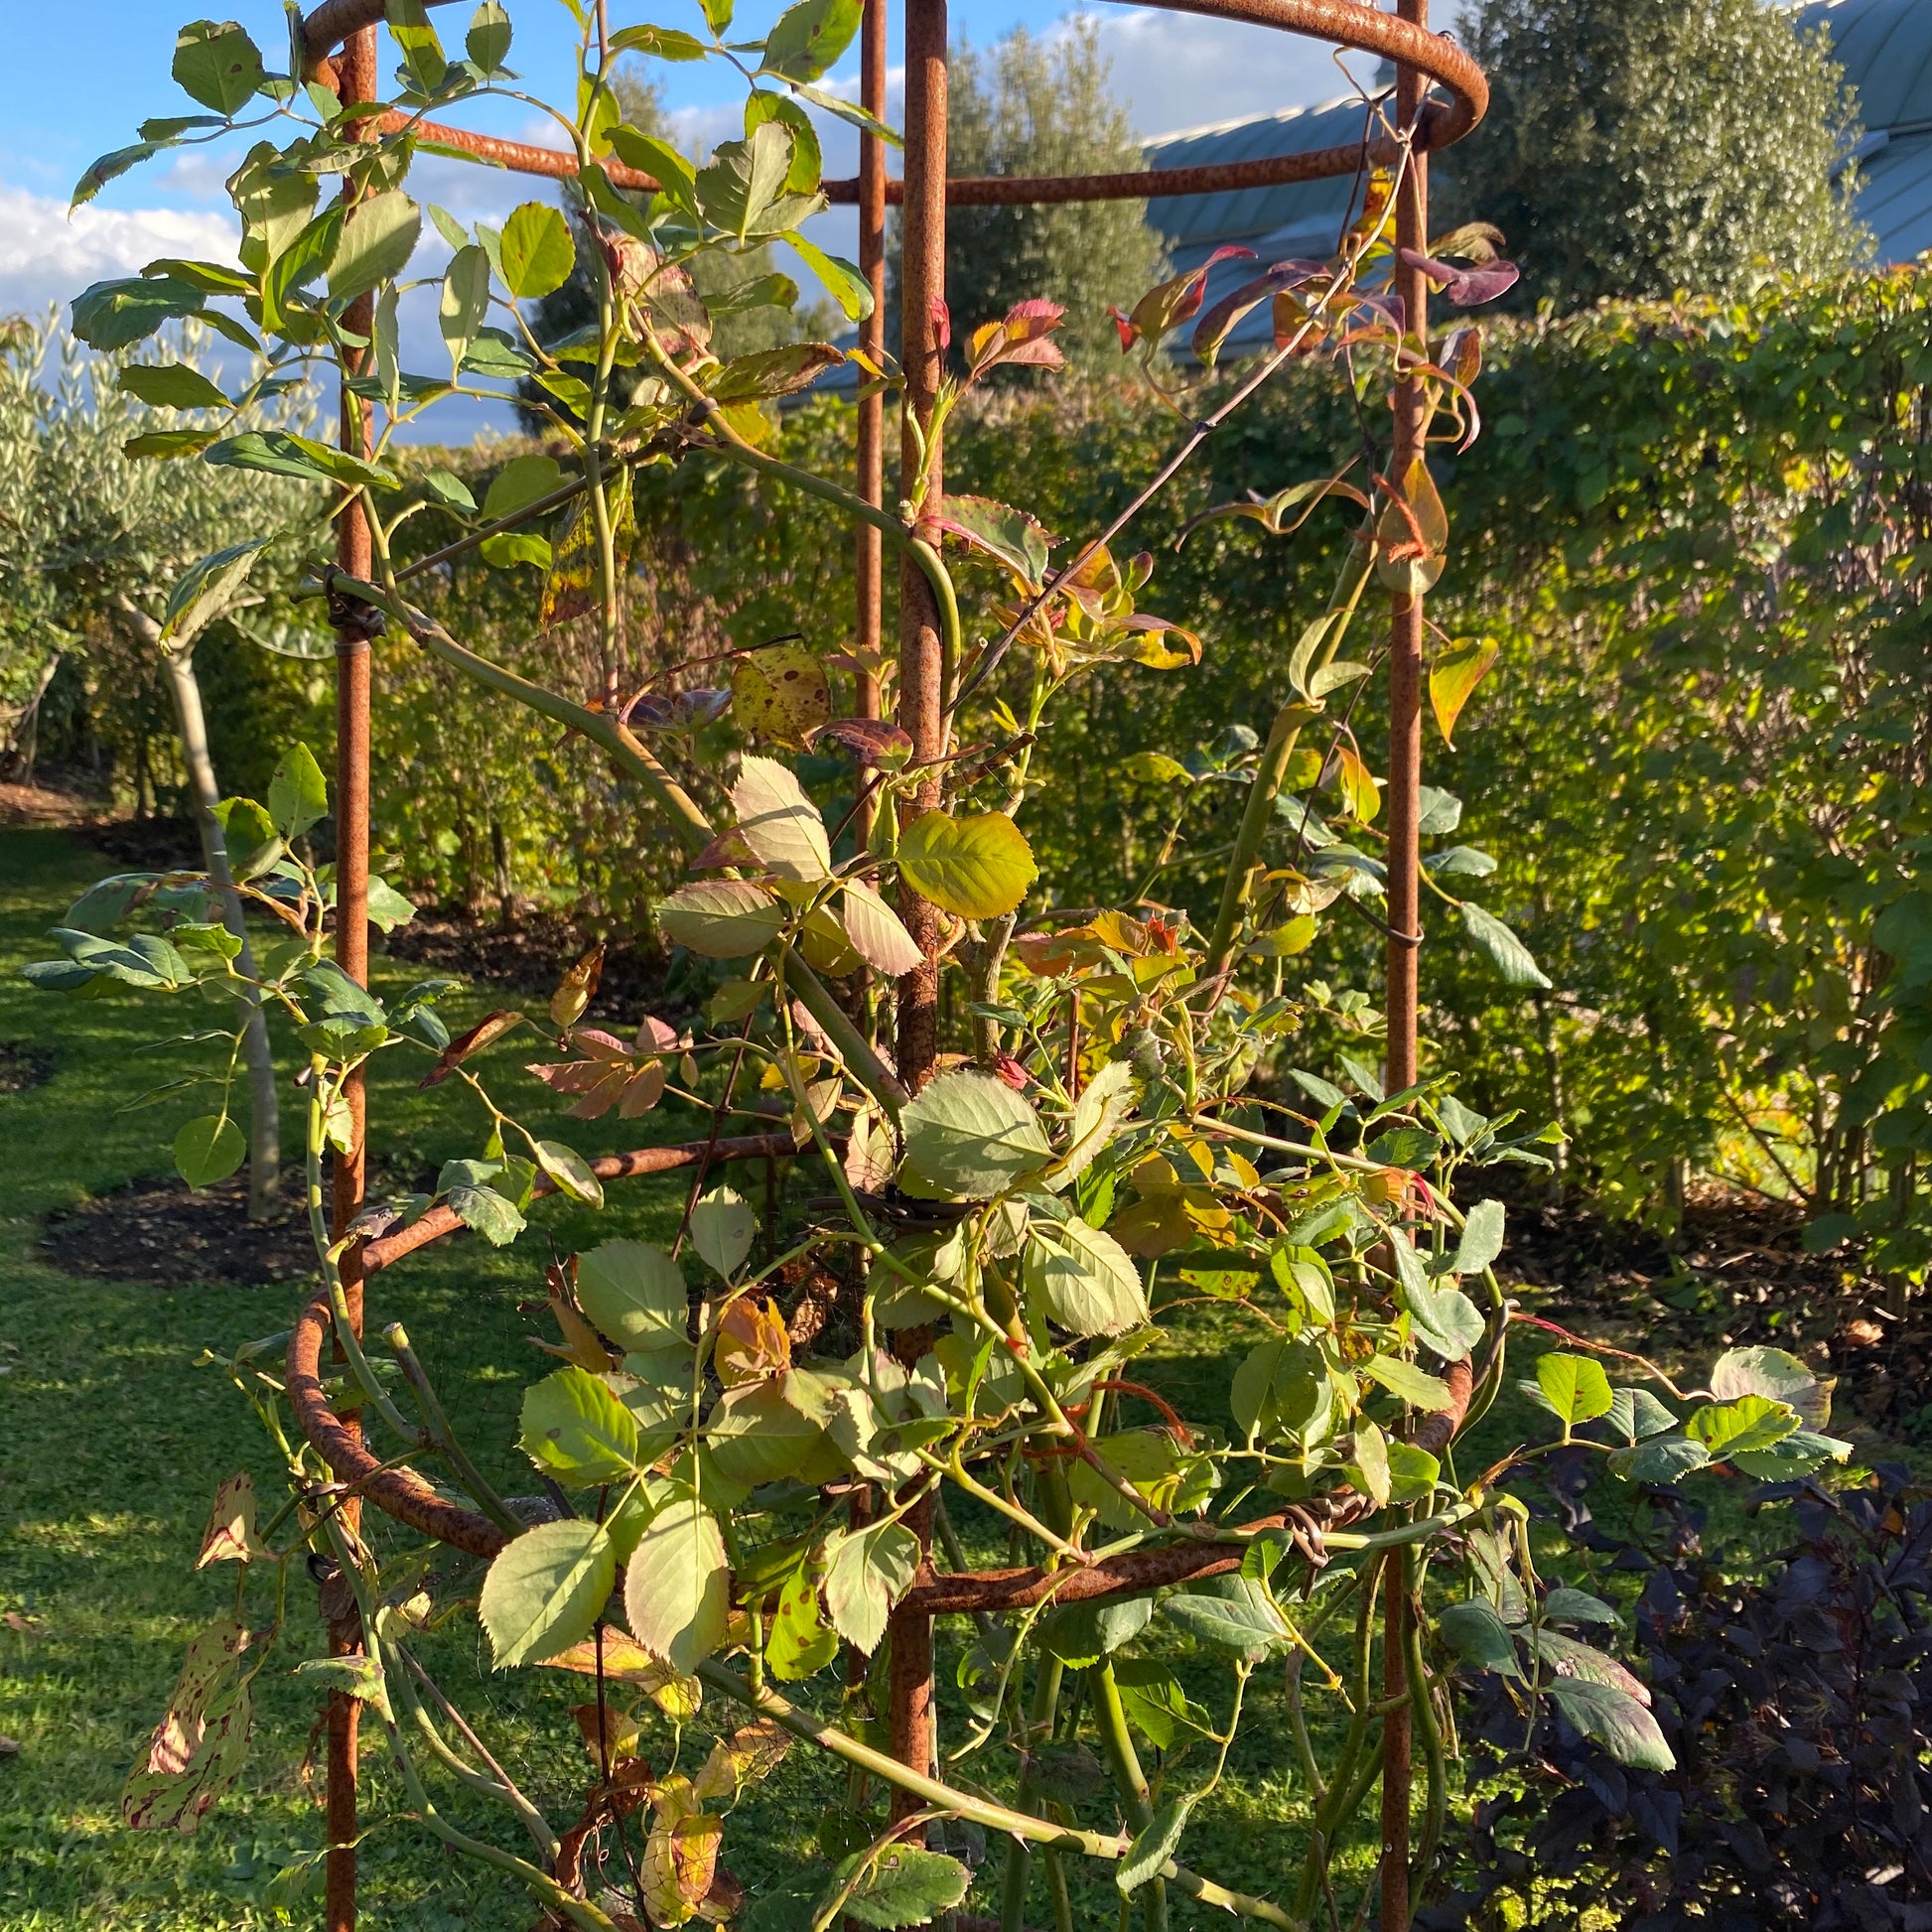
{"points": [[264, 1109], [24, 737]]}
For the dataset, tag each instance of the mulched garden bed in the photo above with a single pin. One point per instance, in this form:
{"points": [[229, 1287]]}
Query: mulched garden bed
{"points": [[156, 1231], [1736, 1274], [529, 956], [25, 1064]]}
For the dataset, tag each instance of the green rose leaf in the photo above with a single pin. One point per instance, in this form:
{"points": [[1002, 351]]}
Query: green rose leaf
{"points": [[1483, 1239], [635, 1294], [1752, 1421], [722, 918], [779, 823], [1615, 1719], [1155, 1844], [1083, 1278], [906, 1885], [1480, 1637], [722, 1228], [1413, 1384], [1230, 1612], [298, 794], [1502, 948], [576, 1430], [809, 38], [537, 249], [209, 1149], [545, 1590], [979, 868], [169, 385], [216, 64], [118, 315], [377, 240], [677, 1585], [1574, 1387], [570, 1171], [969, 1137], [868, 1572]]}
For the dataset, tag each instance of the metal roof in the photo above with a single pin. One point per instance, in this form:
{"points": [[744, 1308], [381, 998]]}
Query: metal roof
{"points": [[1885, 47]]}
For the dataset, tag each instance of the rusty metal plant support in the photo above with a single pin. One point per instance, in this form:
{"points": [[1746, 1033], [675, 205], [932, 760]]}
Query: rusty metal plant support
{"points": [[339, 41]]}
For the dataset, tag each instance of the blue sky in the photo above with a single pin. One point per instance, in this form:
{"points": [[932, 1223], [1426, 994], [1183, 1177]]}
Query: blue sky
{"points": [[80, 76]]}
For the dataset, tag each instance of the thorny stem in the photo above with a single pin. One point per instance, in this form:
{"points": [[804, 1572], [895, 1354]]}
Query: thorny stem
{"points": [[1342, 278], [472, 1477], [1259, 814], [1124, 1763]]}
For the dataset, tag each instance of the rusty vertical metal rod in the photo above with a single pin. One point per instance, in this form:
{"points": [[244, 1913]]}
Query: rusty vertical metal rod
{"points": [[1405, 933], [359, 81], [921, 702], [869, 564], [921, 675]]}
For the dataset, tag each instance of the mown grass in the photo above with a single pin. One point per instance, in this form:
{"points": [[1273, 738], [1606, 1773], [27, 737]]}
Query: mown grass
{"points": [[114, 1433]]}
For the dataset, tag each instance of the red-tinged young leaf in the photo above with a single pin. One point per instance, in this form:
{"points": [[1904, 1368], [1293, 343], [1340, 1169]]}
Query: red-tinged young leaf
{"points": [[1219, 323], [1169, 304], [1465, 287], [1019, 337], [870, 741], [1011, 536], [728, 848], [941, 321], [490, 1027], [642, 1091]]}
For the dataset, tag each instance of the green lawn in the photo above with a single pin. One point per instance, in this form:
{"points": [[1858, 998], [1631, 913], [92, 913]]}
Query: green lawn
{"points": [[112, 1440]]}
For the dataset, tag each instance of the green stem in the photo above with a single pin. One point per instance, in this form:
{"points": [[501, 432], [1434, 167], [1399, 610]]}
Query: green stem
{"points": [[1423, 1708], [1340, 1799], [1123, 1762], [855, 1048], [604, 731], [1056, 1503], [976, 1810], [473, 1479], [1259, 813]]}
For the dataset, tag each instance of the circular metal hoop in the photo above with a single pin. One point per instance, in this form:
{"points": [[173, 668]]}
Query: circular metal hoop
{"points": [[1350, 24]]}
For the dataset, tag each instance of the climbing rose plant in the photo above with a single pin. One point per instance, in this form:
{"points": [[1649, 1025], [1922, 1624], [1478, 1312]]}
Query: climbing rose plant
{"points": [[755, 1460]]}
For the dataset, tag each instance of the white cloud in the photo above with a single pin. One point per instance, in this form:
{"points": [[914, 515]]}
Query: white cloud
{"points": [[46, 258], [1177, 70]]}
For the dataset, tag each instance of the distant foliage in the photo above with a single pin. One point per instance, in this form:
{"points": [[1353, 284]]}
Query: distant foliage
{"points": [[1028, 106], [1638, 147]]}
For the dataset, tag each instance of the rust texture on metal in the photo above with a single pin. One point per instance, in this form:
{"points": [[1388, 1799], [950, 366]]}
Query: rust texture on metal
{"points": [[921, 692], [869, 551], [359, 80], [924, 333], [1396, 37]]}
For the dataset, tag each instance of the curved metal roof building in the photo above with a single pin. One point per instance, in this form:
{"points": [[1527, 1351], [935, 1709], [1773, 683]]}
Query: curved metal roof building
{"points": [[1885, 47]]}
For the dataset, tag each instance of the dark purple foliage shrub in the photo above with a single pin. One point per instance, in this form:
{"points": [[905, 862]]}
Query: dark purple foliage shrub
{"points": [[1799, 1709]]}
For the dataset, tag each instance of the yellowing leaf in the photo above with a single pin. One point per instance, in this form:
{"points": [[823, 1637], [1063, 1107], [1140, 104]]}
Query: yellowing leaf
{"points": [[677, 1585], [781, 693], [979, 868], [1452, 680], [1359, 791]]}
